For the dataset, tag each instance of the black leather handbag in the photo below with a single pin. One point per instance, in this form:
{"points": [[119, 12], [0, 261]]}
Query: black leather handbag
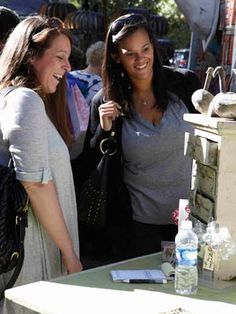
{"points": [[103, 202], [13, 220], [93, 198]]}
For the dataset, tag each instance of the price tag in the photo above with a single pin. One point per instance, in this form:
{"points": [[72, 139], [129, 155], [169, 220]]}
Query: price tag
{"points": [[210, 258]]}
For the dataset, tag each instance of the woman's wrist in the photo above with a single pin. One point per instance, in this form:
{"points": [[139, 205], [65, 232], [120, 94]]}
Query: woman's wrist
{"points": [[68, 250], [72, 263]]}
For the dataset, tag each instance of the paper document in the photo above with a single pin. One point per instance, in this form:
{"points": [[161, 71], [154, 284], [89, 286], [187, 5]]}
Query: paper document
{"points": [[166, 272], [120, 275]]}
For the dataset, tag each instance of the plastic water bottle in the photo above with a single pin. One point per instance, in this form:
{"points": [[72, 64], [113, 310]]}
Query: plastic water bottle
{"points": [[186, 273]]}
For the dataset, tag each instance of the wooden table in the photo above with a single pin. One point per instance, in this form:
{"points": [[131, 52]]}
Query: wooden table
{"points": [[92, 291]]}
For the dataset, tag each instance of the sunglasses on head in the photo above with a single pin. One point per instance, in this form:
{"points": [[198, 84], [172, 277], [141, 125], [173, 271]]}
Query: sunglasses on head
{"points": [[128, 19], [54, 22]]}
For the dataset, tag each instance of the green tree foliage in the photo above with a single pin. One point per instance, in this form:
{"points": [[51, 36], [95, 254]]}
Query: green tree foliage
{"points": [[178, 32]]}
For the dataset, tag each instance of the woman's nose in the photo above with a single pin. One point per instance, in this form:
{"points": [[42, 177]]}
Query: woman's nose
{"points": [[140, 56], [67, 66]]}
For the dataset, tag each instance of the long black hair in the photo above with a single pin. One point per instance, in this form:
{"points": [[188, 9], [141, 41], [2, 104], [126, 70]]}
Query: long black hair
{"points": [[116, 83]]}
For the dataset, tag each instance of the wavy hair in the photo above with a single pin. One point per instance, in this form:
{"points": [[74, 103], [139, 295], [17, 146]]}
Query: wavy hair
{"points": [[31, 38]]}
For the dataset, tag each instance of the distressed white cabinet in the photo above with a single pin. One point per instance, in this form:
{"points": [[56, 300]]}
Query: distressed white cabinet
{"points": [[213, 149]]}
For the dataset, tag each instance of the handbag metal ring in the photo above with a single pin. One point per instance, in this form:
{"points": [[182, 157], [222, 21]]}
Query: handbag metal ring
{"points": [[104, 151]]}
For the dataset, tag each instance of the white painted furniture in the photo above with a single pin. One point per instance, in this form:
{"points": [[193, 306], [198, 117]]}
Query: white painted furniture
{"points": [[213, 149]]}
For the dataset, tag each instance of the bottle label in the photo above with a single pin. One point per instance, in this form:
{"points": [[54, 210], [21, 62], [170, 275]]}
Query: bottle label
{"points": [[186, 256]]}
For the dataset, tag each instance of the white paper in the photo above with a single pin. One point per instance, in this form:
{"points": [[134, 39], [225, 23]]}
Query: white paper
{"points": [[120, 275]]}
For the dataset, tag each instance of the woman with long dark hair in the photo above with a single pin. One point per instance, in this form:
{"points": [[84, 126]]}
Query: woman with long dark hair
{"points": [[143, 99]]}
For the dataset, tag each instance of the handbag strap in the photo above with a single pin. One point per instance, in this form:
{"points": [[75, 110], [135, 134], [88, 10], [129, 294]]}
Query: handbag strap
{"points": [[5, 91]]}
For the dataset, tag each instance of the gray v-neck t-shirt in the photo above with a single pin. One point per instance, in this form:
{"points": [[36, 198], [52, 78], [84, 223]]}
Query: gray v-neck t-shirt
{"points": [[156, 172]]}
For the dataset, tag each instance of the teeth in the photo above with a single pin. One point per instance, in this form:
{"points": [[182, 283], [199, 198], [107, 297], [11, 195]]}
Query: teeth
{"points": [[58, 76], [140, 66]]}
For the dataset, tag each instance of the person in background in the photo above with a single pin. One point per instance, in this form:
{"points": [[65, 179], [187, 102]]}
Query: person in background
{"points": [[34, 131], [8, 21], [78, 117], [147, 102], [82, 85], [90, 81]]}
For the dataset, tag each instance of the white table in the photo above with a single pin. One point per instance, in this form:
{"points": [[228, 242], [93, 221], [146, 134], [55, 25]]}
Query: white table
{"points": [[92, 291]]}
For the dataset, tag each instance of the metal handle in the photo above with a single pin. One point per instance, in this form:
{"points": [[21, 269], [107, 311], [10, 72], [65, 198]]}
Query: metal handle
{"points": [[103, 141]]}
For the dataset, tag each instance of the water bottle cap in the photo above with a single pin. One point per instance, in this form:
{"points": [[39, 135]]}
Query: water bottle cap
{"points": [[186, 224]]}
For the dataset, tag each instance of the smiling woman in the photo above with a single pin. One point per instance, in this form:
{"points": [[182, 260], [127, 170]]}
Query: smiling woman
{"points": [[34, 131], [51, 67], [36, 45], [138, 98]]}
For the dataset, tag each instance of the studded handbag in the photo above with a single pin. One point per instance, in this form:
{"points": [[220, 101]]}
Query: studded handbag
{"points": [[93, 198]]}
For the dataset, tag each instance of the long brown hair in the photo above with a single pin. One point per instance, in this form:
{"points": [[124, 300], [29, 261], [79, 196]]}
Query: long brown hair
{"points": [[30, 38]]}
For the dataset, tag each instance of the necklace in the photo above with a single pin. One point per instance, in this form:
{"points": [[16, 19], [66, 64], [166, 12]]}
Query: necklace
{"points": [[144, 102], [147, 102]]}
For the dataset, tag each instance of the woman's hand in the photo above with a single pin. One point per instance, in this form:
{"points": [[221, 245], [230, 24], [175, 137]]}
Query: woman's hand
{"points": [[108, 112], [72, 263]]}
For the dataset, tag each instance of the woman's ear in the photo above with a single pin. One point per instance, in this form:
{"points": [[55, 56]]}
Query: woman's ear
{"points": [[32, 60], [115, 57]]}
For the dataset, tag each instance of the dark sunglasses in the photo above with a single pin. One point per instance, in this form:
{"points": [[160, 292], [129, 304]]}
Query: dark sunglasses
{"points": [[128, 19], [54, 22]]}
